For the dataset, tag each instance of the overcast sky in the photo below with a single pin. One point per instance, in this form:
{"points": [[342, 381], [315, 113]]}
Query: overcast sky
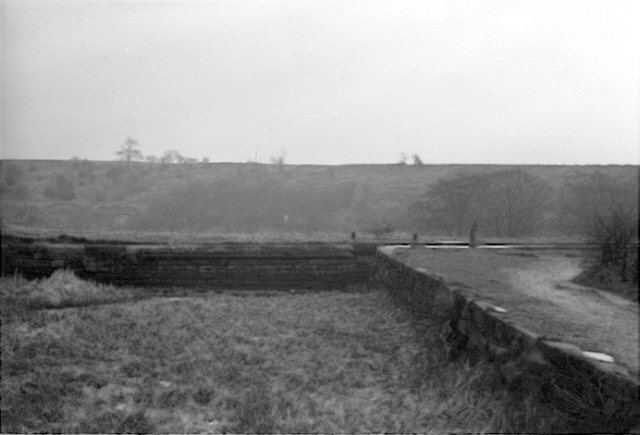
{"points": [[328, 82]]}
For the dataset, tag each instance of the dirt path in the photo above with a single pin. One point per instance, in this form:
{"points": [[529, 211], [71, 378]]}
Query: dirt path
{"points": [[596, 320], [536, 290]]}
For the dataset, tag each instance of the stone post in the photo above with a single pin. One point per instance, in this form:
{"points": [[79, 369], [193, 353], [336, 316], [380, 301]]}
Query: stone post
{"points": [[472, 236]]}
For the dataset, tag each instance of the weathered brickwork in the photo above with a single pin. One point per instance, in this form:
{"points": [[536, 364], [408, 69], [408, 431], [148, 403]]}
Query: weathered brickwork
{"points": [[560, 371]]}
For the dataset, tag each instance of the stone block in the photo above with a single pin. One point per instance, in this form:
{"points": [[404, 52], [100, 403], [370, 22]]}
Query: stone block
{"points": [[526, 339], [57, 264]]}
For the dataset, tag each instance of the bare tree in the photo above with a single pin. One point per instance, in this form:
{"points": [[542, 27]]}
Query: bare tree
{"points": [[129, 150], [613, 233], [589, 197], [278, 161], [172, 156], [514, 201], [450, 204]]}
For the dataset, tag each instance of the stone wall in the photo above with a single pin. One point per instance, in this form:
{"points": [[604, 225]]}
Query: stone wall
{"points": [[224, 265], [560, 372]]}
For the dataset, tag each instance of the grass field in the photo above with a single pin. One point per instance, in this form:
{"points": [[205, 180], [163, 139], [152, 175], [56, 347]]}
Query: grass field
{"points": [[83, 358]]}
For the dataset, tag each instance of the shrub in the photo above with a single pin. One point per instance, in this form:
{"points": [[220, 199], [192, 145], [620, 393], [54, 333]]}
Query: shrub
{"points": [[380, 228], [11, 173], [86, 170], [50, 192], [21, 191], [115, 172], [62, 189], [75, 162], [612, 233]]}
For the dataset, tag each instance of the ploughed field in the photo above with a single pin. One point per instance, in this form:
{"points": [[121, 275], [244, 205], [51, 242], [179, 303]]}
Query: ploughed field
{"points": [[77, 357]]}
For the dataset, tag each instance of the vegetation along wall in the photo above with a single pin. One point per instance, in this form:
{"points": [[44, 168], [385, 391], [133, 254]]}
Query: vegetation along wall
{"points": [[225, 265], [560, 371]]}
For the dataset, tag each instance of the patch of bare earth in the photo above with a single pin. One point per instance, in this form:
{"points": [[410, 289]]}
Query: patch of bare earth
{"points": [[536, 289]]}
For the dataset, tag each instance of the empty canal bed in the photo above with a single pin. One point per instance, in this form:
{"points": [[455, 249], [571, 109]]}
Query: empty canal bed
{"points": [[81, 358]]}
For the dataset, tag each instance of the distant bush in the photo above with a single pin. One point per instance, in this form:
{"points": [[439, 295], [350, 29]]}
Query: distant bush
{"points": [[584, 201], [62, 189], [380, 228], [21, 191], [86, 171], [115, 172], [172, 156], [613, 233], [11, 173], [50, 192], [75, 162]]}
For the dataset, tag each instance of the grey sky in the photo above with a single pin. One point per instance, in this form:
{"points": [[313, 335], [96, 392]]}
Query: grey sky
{"points": [[329, 82]]}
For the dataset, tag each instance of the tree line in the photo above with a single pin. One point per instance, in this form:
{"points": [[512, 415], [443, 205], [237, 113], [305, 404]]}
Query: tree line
{"points": [[515, 203], [243, 204]]}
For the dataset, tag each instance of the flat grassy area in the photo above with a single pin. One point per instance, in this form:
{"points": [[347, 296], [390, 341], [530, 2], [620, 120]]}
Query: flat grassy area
{"points": [[314, 362], [536, 289]]}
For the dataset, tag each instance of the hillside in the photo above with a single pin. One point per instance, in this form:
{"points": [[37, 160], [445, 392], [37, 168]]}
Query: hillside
{"points": [[250, 197]]}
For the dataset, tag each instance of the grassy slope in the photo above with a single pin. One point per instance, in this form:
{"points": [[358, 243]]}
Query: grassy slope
{"points": [[325, 362], [388, 189]]}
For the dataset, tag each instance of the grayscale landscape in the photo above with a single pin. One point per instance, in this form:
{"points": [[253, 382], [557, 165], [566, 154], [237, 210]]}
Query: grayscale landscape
{"points": [[305, 217]]}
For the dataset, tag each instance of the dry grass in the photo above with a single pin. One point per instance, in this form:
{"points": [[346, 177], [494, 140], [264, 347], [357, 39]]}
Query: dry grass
{"points": [[62, 289], [316, 362]]}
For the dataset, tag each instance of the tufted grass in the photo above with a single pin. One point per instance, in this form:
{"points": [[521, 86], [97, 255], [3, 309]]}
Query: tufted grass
{"points": [[347, 362], [62, 289]]}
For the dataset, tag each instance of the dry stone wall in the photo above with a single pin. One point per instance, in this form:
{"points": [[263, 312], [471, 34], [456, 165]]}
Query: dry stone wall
{"points": [[225, 265], [560, 372]]}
